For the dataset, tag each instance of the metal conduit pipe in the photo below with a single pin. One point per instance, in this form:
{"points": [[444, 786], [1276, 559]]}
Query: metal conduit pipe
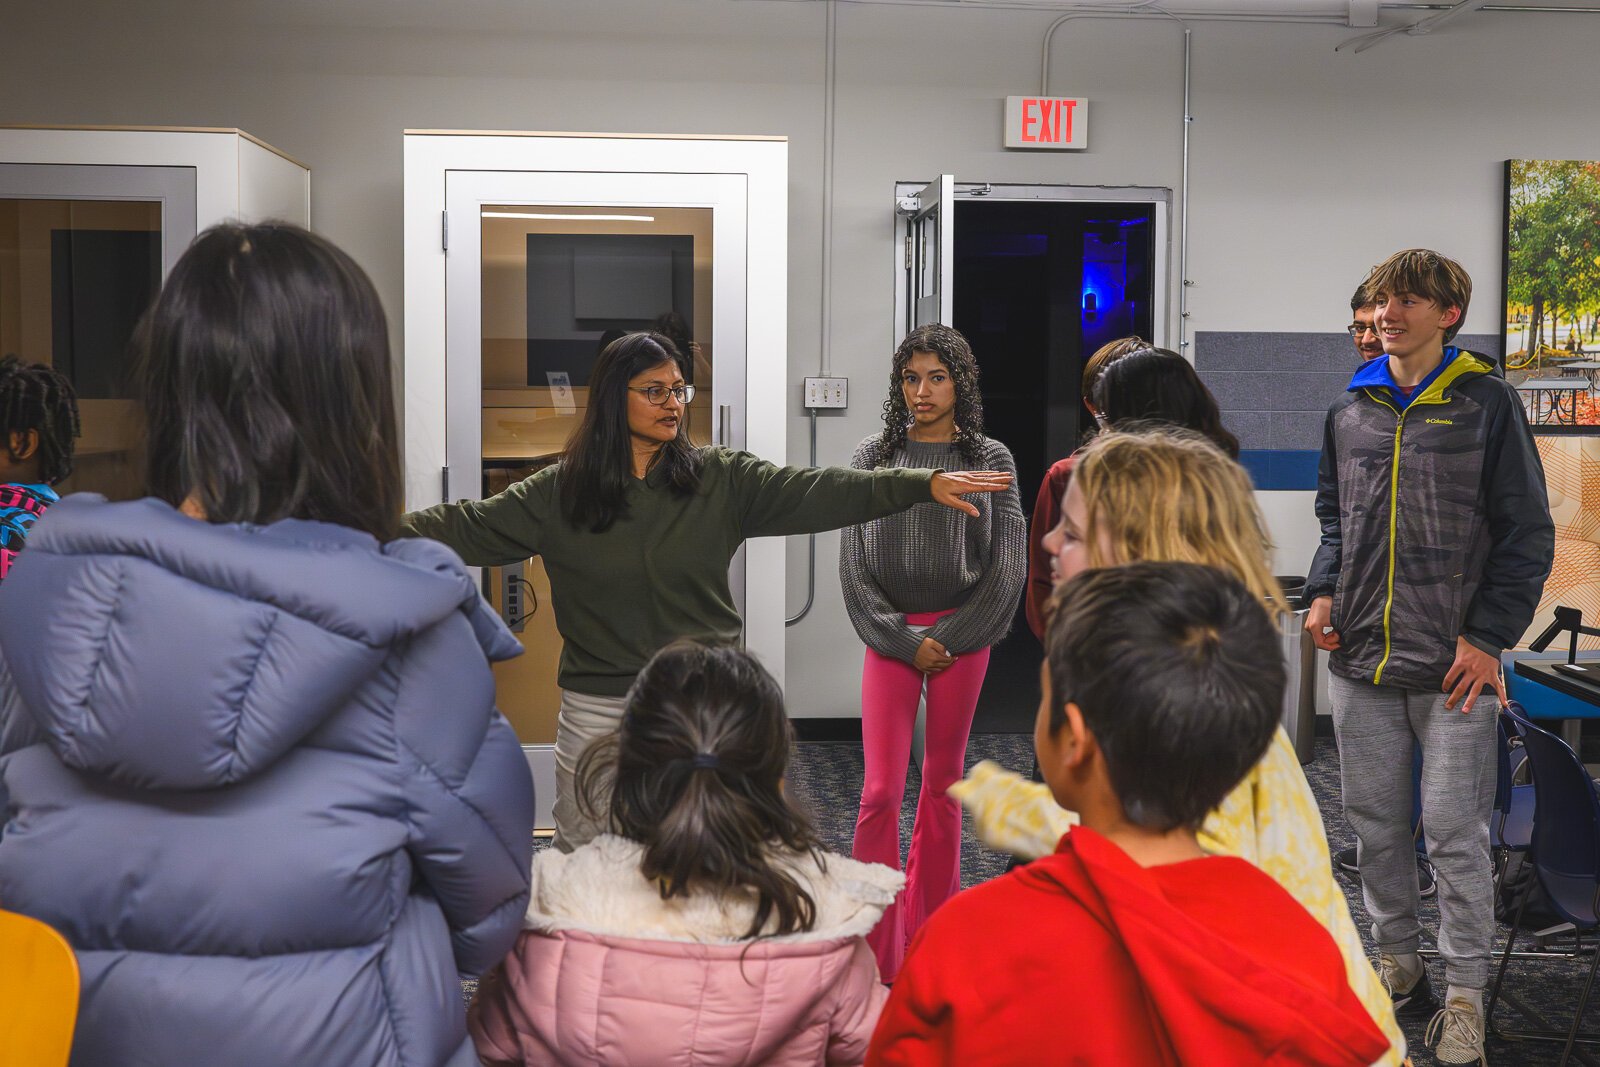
{"points": [[826, 325], [1119, 10], [1183, 210], [811, 544], [1124, 11]]}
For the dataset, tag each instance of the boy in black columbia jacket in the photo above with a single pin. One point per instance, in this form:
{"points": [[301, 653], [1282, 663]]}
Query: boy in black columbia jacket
{"points": [[1436, 541]]}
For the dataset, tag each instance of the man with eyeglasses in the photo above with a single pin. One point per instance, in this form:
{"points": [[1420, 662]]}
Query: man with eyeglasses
{"points": [[1363, 326]]}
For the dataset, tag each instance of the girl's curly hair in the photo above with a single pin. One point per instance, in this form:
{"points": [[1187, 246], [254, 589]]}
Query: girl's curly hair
{"points": [[954, 352]]}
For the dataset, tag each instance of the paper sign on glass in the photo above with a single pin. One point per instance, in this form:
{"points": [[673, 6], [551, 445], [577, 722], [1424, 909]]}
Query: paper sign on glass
{"points": [[561, 392]]}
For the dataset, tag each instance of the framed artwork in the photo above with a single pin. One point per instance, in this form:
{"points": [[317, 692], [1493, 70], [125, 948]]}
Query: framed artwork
{"points": [[1552, 292]]}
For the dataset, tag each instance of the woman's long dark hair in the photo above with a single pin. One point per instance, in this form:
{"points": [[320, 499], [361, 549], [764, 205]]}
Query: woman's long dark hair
{"points": [[597, 466], [1158, 385], [697, 773], [954, 352], [264, 372]]}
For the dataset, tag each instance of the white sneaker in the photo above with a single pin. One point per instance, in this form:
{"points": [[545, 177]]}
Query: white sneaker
{"points": [[1457, 1033], [1412, 994]]}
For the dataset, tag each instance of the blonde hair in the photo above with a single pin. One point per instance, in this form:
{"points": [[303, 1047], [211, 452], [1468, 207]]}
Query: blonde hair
{"points": [[1170, 495]]}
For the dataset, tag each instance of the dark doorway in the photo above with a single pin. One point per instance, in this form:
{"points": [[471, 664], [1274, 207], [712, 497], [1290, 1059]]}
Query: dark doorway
{"points": [[1039, 285]]}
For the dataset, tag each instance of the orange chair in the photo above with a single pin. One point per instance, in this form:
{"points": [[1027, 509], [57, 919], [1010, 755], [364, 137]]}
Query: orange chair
{"points": [[38, 993]]}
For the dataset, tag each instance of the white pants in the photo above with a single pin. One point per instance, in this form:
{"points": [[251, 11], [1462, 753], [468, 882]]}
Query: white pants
{"points": [[584, 719]]}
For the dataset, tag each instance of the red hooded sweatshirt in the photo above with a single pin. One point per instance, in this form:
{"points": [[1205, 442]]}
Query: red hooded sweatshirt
{"points": [[1085, 957]]}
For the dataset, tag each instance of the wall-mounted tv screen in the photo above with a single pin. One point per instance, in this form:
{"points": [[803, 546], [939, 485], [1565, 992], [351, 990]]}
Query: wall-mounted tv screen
{"points": [[581, 285]]}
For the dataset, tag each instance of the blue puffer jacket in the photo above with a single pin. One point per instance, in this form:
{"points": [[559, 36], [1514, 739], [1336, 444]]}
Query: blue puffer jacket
{"points": [[256, 778]]}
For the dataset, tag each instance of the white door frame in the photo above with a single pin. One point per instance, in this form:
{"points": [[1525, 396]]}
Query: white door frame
{"points": [[761, 163], [906, 192]]}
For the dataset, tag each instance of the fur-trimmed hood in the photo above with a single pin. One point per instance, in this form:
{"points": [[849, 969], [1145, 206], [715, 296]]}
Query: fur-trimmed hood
{"points": [[607, 972], [586, 890]]}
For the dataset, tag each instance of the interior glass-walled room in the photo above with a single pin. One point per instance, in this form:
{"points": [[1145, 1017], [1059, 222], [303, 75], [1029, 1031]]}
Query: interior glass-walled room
{"points": [[560, 282], [75, 276]]}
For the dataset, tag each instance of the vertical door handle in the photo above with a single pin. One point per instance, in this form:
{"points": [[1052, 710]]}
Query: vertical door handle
{"points": [[725, 425]]}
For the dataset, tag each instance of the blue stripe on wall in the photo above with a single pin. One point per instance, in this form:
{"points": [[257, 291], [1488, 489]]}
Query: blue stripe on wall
{"points": [[1281, 468]]}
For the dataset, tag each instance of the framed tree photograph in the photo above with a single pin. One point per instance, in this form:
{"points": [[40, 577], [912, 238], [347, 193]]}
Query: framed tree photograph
{"points": [[1552, 292]]}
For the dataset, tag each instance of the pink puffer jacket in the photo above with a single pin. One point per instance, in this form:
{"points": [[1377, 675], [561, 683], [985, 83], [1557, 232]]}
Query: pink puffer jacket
{"points": [[606, 972]]}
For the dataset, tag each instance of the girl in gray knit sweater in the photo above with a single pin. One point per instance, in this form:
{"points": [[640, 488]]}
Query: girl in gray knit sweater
{"points": [[928, 594]]}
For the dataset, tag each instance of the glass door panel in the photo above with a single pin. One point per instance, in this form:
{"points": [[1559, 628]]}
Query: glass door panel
{"points": [[75, 277], [559, 283], [542, 270], [83, 251]]}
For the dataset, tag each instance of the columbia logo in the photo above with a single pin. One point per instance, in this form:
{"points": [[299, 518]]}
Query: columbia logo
{"points": [[1439, 422]]}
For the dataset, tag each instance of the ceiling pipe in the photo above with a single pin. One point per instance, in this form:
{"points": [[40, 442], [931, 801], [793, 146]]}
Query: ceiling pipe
{"points": [[1231, 14], [1416, 29]]}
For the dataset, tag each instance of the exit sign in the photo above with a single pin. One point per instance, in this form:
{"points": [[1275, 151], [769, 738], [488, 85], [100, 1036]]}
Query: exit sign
{"points": [[1047, 122]]}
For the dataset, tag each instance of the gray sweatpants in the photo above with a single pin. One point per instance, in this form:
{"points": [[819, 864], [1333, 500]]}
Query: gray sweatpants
{"points": [[584, 718], [1376, 726]]}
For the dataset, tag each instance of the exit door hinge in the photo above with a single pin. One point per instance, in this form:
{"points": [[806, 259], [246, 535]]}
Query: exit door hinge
{"points": [[444, 485], [444, 231], [908, 250]]}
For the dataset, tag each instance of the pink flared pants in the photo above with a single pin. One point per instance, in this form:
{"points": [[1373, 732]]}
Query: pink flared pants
{"points": [[890, 689]]}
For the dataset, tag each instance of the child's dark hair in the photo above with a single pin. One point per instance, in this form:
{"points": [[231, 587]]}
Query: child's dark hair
{"points": [[1158, 385], [697, 773], [956, 354], [35, 396], [267, 385], [1177, 671]]}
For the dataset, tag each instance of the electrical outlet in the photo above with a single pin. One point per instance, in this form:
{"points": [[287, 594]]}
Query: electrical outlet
{"points": [[826, 392], [511, 582]]}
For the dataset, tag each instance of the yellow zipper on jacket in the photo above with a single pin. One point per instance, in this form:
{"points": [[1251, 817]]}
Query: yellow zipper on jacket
{"points": [[1394, 508], [1433, 395]]}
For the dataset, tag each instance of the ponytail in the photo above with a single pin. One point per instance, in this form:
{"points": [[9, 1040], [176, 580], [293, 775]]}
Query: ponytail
{"points": [[697, 769]]}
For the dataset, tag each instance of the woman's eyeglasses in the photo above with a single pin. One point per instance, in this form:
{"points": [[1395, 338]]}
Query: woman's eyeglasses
{"points": [[657, 394]]}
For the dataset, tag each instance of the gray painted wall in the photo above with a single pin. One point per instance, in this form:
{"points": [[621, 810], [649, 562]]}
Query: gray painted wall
{"points": [[1307, 167]]}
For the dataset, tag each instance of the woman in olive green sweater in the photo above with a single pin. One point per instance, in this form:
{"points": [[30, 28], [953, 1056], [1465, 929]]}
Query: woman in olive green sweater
{"points": [[637, 527]]}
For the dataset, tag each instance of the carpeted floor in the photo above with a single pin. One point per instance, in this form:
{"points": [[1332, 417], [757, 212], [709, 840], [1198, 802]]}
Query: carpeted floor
{"points": [[827, 778]]}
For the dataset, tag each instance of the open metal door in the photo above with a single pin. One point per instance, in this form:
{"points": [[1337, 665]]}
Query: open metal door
{"points": [[924, 242], [930, 253]]}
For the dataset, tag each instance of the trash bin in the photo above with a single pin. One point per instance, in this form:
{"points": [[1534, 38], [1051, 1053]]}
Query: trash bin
{"points": [[1300, 674]]}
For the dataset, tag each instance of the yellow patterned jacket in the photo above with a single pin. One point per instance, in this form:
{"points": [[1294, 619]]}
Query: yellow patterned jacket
{"points": [[1270, 819]]}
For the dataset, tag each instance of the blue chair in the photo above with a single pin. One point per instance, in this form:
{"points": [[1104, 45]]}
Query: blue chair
{"points": [[1565, 853], [1511, 828]]}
